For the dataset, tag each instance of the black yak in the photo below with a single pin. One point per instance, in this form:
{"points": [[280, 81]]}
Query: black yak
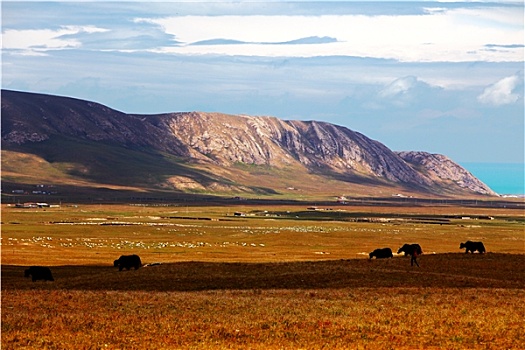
{"points": [[127, 262], [39, 273], [414, 250], [472, 247], [381, 253]]}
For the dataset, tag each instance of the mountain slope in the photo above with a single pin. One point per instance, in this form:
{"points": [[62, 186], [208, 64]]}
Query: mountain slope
{"points": [[216, 152], [441, 168]]}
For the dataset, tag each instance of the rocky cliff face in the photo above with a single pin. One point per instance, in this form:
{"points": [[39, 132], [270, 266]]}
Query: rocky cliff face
{"points": [[227, 139], [441, 168]]}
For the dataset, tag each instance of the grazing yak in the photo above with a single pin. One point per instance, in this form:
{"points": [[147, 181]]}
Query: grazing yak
{"points": [[414, 250], [39, 273], [472, 247], [127, 262], [382, 253]]}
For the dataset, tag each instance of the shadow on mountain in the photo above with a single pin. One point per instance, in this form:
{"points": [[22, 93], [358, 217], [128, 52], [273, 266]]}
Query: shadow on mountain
{"points": [[354, 178], [104, 162], [351, 177]]}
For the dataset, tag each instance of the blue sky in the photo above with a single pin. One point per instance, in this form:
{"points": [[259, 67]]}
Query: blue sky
{"points": [[441, 77]]}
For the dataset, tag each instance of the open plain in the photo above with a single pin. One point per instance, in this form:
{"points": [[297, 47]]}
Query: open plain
{"points": [[264, 276]]}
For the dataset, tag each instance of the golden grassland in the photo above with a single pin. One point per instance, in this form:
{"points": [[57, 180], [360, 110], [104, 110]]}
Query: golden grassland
{"points": [[276, 278]]}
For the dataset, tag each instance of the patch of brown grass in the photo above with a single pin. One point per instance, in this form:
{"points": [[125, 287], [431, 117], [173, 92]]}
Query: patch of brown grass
{"points": [[392, 318], [453, 301], [258, 282], [457, 270]]}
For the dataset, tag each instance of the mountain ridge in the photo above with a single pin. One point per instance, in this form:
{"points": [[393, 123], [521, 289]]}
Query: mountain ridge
{"points": [[222, 141]]}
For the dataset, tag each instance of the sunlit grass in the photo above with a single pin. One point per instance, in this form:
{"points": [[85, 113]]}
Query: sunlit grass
{"points": [[259, 281], [269, 319], [94, 234]]}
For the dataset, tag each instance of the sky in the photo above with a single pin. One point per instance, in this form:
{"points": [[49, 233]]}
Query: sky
{"points": [[441, 77]]}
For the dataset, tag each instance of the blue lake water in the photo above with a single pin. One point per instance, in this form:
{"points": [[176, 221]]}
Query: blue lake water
{"points": [[503, 178]]}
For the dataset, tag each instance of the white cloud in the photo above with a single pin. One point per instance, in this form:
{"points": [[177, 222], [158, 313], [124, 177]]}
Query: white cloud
{"points": [[411, 92], [441, 34], [494, 17], [446, 35], [398, 87], [502, 92], [45, 39]]}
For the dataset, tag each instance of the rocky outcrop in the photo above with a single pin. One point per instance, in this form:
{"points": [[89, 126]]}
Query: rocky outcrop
{"points": [[223, 140], [440, 168], [227, 139]]}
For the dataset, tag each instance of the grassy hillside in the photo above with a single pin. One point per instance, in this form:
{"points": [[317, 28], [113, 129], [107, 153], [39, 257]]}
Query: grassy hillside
{"points": [[94, 167], [95, 162]]}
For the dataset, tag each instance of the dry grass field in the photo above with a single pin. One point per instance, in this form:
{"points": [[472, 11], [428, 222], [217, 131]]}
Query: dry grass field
{"points": [[275, 277]]}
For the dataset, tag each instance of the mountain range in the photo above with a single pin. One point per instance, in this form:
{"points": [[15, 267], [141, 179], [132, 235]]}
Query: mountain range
{"points": [[67, 141]]}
